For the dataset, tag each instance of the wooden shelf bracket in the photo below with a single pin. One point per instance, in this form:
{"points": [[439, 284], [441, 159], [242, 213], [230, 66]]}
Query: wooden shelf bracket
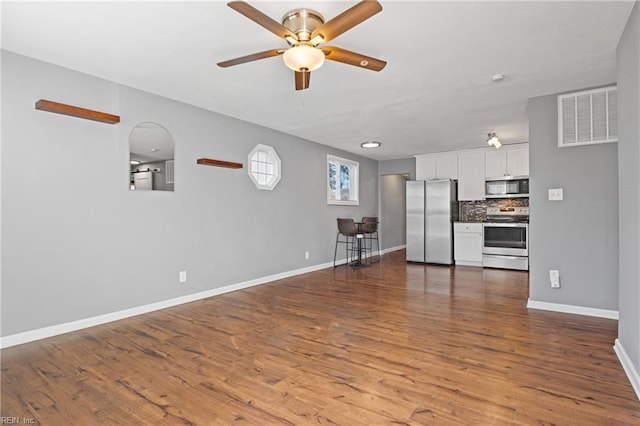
{"points": [[58, 108], [219, 163]]}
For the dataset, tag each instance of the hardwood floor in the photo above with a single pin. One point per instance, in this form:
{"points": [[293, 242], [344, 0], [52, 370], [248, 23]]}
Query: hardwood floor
{"points": [[394, 343]]}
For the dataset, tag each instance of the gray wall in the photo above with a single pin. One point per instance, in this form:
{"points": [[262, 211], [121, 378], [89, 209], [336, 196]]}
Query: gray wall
{"points": [[72, 231], [392, 199], [578, 236], [629, 180], [393, 218], [398, 167]]}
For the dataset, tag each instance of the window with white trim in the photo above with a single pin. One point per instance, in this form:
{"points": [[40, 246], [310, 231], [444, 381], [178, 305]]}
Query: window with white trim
{"points": [[264, 167], [342, 181]]}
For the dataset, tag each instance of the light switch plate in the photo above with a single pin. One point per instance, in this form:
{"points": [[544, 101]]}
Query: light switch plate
{"points": [[556, 194]]}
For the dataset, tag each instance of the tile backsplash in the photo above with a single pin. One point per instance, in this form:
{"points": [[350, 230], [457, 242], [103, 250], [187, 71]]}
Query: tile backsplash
{"points": [[476, 211]]}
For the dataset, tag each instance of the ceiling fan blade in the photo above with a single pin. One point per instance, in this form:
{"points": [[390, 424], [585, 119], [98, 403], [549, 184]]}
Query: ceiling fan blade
{"points": [[352, 58], [261, 19], [302, 79], [252, 57], [347, 20]]}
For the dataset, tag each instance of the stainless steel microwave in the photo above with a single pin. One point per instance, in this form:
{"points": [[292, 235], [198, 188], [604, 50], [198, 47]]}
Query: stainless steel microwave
{"points": [[507, 187]]}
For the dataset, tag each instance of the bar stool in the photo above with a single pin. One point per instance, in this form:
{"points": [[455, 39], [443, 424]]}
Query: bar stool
{"points": [[370, 229], [346, 228]]}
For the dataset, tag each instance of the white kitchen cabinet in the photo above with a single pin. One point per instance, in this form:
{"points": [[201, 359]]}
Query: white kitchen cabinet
{"points": [[495, 163], [437, 166], [425, 167], [471, 175], [467, 243], [447, 166], [507, 161], [518, 160]]}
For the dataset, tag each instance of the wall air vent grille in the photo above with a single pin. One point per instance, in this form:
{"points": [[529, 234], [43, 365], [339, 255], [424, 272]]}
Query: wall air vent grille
{"points": [[588, 117], [169, 166]]}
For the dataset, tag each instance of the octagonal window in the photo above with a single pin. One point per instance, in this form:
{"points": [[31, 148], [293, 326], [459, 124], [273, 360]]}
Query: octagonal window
{"points": [[264, 167]]}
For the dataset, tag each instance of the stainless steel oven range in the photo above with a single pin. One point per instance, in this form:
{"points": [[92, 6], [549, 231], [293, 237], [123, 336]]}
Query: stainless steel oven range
{"points": [[506, 242]]}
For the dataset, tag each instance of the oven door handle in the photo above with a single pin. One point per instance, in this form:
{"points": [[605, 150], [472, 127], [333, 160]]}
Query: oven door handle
{"points": [[505, 225]]}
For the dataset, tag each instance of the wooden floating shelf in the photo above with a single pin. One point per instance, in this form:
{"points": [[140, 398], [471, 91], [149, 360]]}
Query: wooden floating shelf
{"points": [[219, 163], [58, 108]]}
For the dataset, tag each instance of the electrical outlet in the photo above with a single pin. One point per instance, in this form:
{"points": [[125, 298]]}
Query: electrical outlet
{"points": [[556, 194], [306, 254], [183, 276], [554, 277]]}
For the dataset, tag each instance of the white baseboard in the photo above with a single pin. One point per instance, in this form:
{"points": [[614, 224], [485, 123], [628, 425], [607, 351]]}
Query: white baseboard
{"points": [[628, 367], [54, 330], [572, 309], [396, 248]]}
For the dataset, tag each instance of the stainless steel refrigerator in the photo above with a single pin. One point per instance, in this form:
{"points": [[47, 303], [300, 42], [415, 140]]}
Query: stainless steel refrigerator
{"points": [[432, 208]]}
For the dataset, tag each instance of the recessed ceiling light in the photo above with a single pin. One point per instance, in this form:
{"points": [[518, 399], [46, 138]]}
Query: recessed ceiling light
{"points": [[371, 144], [134, 162], [497, 78]]}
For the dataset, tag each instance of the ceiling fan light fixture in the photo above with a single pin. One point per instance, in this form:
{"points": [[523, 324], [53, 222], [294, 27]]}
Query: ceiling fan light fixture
{"points": [[291, 41], [303, 57], [316, 40]]}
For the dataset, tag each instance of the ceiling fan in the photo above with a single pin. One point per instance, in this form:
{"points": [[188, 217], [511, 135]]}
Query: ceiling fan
{"points": [[304, 30]]}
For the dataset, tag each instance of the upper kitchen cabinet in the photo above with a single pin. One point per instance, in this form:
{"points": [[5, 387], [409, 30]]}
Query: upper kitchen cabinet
{"points": [[471, 175], [472, 167], [507, 161], [437, 166], [495, 163]]}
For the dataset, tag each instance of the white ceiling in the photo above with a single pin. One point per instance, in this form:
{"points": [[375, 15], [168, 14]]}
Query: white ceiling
{"points": [[435, 94]]}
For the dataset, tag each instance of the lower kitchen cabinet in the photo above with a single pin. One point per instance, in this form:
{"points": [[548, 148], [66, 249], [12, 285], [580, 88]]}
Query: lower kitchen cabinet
{"points": [[467, 243]]}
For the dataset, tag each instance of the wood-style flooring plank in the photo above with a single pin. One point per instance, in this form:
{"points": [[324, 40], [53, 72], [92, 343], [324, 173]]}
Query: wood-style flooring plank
{"points": [[394, 343]]}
